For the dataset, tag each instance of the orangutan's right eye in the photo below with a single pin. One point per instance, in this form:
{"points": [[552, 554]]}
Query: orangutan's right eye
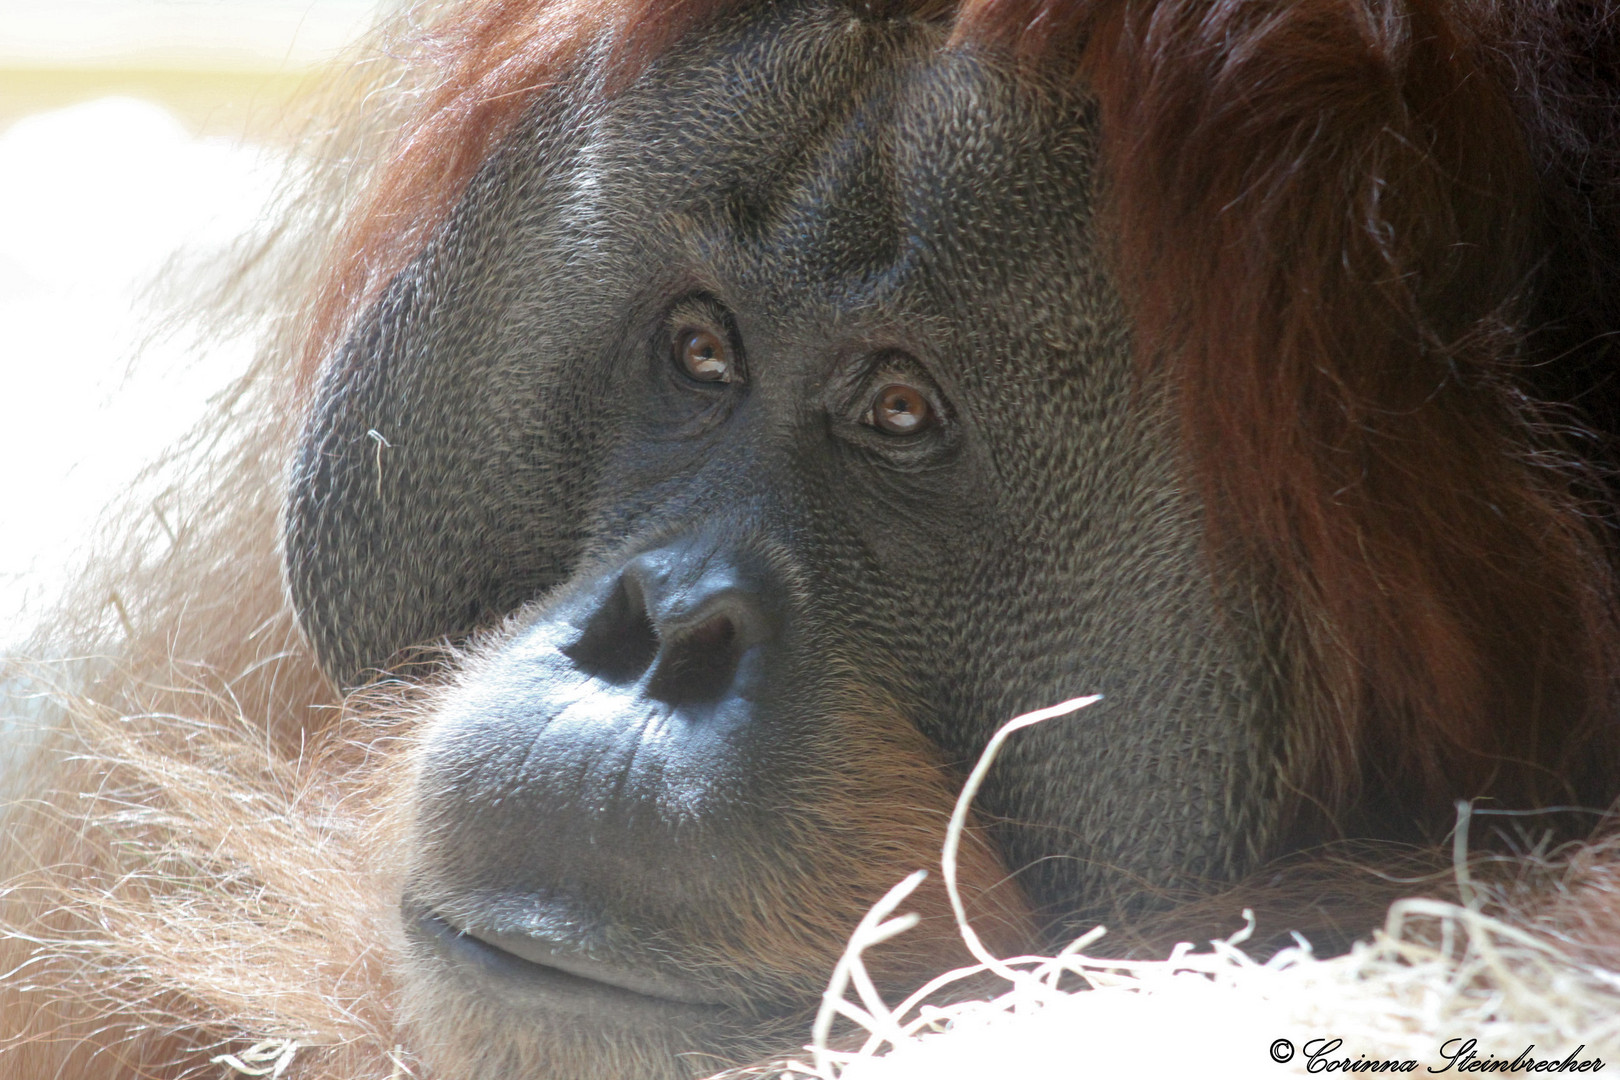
{"points": [[703, 356]]}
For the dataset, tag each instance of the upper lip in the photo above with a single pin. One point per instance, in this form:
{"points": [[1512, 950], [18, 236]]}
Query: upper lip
{"points": [[525, 954]]}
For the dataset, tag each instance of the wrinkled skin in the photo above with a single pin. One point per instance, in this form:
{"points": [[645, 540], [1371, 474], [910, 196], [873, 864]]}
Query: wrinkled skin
{"points": [[700, 578]]}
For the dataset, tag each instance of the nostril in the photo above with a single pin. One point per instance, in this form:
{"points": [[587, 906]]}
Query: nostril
{"points": [[619, 641], [715, 634], [699, 663]]}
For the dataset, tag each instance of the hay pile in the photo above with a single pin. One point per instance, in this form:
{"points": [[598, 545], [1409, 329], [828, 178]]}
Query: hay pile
{"points": [[1440, 987], [1488, 993]]}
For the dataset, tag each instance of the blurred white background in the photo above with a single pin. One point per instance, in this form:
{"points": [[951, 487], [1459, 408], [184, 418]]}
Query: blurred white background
{"points": [[197, 33], [130, 130]]}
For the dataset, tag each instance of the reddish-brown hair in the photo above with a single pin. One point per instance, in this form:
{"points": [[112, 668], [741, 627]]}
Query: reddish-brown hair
{"points": [[1326, 221]]}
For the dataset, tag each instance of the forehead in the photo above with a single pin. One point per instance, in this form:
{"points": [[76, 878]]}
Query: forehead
{"points": [[801, 158]]}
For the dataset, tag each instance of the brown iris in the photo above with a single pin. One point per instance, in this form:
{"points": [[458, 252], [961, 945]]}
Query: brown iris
{"points": [[901, 409], [703, 356]]}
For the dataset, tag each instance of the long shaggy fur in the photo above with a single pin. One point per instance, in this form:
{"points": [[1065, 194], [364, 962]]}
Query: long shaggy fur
{"points": [[1358, 237]]}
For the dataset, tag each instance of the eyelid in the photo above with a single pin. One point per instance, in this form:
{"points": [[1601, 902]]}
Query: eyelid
{"points": [[703, 311]]}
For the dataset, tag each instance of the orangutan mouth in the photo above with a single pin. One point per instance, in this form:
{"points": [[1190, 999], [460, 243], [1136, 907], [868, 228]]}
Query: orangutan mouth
{"points": [[530, 969]]}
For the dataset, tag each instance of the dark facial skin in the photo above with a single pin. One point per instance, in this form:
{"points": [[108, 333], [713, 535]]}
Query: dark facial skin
{"points": [[787, 380]]}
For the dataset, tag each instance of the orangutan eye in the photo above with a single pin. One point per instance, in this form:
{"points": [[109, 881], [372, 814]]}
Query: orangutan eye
{"points": [[900, 409], [703, 356]]}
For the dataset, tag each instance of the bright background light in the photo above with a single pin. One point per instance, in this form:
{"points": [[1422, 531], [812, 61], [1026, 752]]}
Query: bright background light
{"points": [[204, 34], [130, 130]]}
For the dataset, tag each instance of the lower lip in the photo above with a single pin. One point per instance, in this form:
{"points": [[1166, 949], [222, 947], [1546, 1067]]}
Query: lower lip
{"points": [[538, 985]]}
